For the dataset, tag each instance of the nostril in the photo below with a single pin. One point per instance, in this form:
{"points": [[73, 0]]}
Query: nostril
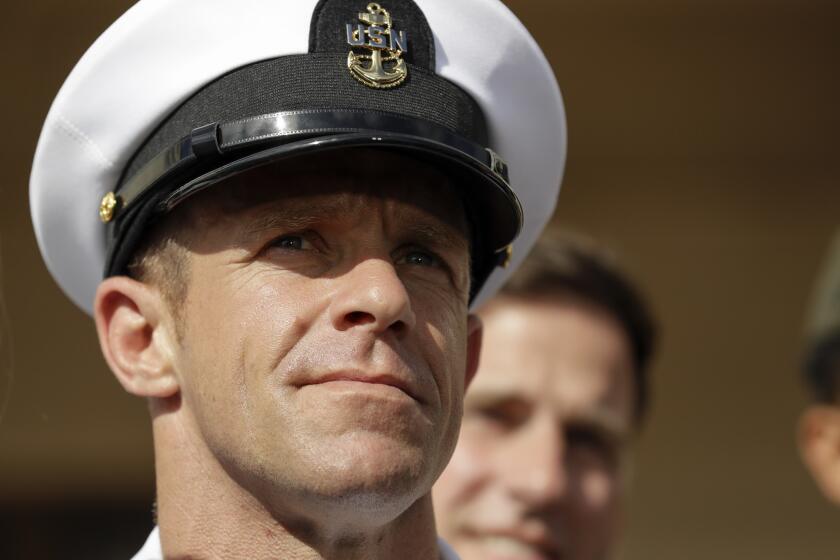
{"points": [[359, 317]]}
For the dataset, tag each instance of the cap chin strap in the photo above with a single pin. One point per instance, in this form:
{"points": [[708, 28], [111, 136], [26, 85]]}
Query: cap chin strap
{"points": [[211, 145]]}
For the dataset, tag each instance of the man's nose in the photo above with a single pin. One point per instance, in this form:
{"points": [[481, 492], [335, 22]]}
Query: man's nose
{"points": [[536, 472], [372, 296]]}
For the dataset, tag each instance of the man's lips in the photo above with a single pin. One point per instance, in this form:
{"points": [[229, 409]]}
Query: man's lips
{"points": [[360, 377]]}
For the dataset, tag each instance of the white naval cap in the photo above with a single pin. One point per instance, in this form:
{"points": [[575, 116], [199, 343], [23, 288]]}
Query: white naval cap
{"points": [[178, 94]]}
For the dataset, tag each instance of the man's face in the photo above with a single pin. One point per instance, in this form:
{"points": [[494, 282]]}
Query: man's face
{"points": [[325, 332], [537, 471]]}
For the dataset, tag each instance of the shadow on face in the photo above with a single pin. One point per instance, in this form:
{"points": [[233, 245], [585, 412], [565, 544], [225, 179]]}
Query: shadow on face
{"points": [[331, 182]]}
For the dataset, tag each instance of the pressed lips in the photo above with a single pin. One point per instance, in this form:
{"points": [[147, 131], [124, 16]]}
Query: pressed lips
{"points": [[388, 379]]}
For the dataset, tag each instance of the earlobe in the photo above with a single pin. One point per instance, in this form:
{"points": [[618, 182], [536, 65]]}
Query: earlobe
{"points": [[475, 330], [134, 337], [819, 445]]}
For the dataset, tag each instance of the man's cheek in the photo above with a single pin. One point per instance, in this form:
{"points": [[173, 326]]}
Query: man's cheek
{"points": [[467, 469]]}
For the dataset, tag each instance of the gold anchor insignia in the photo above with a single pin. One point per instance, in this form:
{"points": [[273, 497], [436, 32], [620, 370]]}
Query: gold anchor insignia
{"points": [[385, 69]]}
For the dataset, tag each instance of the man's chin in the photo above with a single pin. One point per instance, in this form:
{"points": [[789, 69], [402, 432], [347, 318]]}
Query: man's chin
{"points": [[367, 459], [366, 473]]}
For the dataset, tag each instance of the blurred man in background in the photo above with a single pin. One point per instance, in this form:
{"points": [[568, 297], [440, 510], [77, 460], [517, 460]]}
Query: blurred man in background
{"points": [[541, 462], [819, 427]]}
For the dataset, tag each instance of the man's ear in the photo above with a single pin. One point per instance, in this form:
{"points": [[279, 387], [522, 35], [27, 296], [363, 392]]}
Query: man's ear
{"points": [[134, 336], [819, 445], [475, 330]]}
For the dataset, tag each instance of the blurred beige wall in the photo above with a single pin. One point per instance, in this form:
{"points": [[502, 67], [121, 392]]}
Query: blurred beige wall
{"points": [[703, 148]]}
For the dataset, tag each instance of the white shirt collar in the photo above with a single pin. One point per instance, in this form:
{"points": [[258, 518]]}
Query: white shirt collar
{"points": [[151, 548], [152, 551]]}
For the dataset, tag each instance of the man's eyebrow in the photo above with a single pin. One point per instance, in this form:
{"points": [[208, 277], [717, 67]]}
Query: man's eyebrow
{"points": [[442, 236], [291, 216], [606, 422], [274, 221]]}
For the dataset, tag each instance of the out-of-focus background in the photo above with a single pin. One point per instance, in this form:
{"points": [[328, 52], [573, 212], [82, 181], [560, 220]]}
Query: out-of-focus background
{"points": [[703, 148]]}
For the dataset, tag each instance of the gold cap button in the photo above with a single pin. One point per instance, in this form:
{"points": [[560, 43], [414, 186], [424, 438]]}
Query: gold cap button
{"points": [[108, 207]]}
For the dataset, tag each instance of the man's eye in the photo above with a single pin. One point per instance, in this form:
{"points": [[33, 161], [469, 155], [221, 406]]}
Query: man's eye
{"points": [[291, 242], [500, 417], [422, 258], [505, 416], [583, 439]]}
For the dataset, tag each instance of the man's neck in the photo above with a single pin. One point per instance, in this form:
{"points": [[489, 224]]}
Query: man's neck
{"points": [[204, 513]]}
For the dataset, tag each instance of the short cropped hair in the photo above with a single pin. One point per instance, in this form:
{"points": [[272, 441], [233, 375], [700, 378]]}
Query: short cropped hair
{"points": [[822, 368], [162, 260], [572, 266]]}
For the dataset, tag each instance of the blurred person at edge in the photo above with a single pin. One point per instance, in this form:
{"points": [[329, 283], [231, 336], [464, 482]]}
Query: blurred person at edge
{"points": [[819, 425], [541, 462]]}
